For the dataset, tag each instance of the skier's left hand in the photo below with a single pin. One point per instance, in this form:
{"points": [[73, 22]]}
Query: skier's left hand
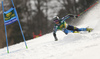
{"points": [[75, 16]]}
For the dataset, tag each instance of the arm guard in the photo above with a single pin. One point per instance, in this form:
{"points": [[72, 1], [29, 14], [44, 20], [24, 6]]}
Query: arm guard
{"points": [[54, 33], [75, 16], [68, 16]]}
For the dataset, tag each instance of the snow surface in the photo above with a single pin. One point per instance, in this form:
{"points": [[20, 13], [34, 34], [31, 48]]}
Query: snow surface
{"points": [[71, 46]]}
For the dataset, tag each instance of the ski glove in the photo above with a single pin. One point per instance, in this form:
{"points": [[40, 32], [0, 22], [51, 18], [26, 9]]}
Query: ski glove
{"points": [[55, 36], [75, 16]]}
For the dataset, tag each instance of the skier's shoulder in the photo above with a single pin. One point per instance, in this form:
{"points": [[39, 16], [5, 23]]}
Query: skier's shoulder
{"points": [[61, 20]]}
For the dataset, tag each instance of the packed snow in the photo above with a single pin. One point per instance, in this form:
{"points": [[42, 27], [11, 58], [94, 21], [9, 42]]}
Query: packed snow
{"points": [[71, 46]]}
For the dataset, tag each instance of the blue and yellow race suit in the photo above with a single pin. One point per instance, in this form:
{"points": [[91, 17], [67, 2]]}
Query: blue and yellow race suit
{"points": [[65, 27]]}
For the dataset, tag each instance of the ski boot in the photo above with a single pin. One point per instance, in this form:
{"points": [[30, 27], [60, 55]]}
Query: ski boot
{"points": [[76, 32], [89, 29]]}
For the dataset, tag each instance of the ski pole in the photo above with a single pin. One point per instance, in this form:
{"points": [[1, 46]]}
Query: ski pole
{"points": [[88, 8]]}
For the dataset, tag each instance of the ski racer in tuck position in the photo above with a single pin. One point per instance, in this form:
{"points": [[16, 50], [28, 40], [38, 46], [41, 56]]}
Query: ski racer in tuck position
{"points": [[60, 24]]}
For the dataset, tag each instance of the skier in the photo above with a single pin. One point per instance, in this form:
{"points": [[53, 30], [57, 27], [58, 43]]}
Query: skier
{"points": [[60, 24]]}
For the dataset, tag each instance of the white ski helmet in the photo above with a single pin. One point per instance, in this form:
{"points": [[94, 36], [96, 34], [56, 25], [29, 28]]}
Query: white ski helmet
{"points": [[55, 18]]}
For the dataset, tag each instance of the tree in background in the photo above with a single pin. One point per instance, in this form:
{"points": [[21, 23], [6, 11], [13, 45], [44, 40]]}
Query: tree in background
{"points": [[39, 19], [84, 4], [69, 8], [2, 32], [74, 7], [13, 30], [22, 7]]}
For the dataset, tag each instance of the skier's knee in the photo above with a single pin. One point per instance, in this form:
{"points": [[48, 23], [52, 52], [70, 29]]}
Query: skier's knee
{"points": [[65, 33], [76, 29]]}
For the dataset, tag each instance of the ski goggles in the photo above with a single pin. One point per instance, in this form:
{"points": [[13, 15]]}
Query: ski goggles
{"points": [[56, 21]]}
